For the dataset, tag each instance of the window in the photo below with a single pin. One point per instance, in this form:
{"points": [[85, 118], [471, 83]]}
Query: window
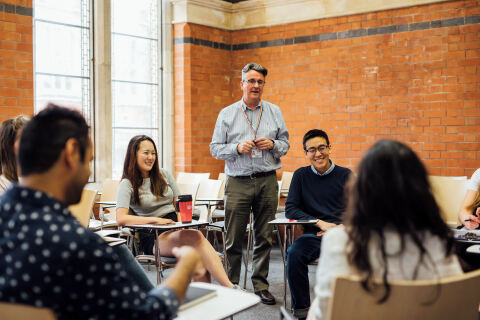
{"points": [[64, 70], [135, 75], [62, 54]]}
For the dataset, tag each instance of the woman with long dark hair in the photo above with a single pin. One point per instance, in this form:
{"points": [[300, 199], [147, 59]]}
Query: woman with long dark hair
{"points": [[9, 132], [393, 228], [149, 193]]}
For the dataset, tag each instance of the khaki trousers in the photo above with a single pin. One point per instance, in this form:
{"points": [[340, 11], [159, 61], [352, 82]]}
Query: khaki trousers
{"points": [[242, 196]]}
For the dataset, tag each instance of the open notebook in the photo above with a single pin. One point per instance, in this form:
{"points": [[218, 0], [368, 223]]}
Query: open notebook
{"points": [[196, 295]]}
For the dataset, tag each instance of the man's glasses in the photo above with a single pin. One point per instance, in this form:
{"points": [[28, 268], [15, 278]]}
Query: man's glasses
{"points": [[323, 149], [252, 82]]}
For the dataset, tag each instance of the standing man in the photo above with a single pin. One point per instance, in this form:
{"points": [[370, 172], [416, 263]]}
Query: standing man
{"points": [[48, 260], [251, 136], [316, 193]]}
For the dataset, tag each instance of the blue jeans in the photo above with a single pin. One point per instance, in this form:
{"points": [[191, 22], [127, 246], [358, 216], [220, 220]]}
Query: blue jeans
{"points": [[303, 251]]}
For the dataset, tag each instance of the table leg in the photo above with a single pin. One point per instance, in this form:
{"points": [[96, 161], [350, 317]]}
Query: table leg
{"points": [[157, 258]]}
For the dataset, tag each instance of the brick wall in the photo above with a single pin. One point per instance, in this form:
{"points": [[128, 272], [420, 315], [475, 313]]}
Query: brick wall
{"points": [[16, 58], [409, 74]]}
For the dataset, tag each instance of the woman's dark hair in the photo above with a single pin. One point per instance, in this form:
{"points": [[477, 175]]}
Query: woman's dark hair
{"points": [[9, 132], [391, 192], [44, 136], [131, 172]]}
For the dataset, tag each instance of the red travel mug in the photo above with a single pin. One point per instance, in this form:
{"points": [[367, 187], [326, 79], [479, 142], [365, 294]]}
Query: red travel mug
{"points": [[184, 206]]}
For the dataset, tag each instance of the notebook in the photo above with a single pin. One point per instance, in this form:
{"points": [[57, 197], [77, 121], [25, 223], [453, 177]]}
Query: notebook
{"points": [[196, 295]]}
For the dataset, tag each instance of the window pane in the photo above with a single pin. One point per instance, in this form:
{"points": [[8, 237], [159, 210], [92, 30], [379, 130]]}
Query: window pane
{"points": [[134, 59], [121, 137], [135, 18], [58, 49], [58, 89], [135, 105], [62, 11]]}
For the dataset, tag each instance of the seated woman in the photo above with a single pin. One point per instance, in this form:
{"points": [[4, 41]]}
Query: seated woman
{"points": [[8, 165], [469, 214], [150, 192], [393, 229]]}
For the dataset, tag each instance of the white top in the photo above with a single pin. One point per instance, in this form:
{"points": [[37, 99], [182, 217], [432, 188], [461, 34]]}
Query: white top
{"points": [[474, 181], [4, 183], [150, 205], [333, 262]]}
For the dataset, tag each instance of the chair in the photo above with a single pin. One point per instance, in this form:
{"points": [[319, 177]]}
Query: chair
{"points": [[165, 262], [190, 177], [108, 199], [283, 186], [82, 210], [10, 311], [448, 298], [208, 189], [449, 193]]}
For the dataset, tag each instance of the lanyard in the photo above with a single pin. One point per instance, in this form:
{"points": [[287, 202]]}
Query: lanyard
{"points": [[250, 123]]}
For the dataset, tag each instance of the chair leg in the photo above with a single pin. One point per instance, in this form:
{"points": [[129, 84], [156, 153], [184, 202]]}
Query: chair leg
{"points": [[249, 243], [279, 240]]}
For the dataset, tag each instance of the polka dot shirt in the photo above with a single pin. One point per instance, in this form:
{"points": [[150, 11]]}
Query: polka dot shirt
{"points": [[47, 259]]}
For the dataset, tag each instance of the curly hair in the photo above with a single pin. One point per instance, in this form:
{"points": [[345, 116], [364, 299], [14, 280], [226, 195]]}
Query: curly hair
{"points": [[9, 133]]}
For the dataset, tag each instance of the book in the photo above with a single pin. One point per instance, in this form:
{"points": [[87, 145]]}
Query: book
{"points": [[196, 295]]}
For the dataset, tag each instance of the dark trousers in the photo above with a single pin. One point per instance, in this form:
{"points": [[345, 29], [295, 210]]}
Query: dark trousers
{"points": [[303, 251], [134, 270], [242, 196], [147, 237]]}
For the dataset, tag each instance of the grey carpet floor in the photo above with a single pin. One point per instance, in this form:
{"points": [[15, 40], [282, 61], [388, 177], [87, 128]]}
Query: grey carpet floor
{"points": [[275, 278]]}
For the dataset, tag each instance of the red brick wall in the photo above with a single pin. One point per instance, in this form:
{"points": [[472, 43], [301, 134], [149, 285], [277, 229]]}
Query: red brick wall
{"points": [[420, 87], [16, 58]]}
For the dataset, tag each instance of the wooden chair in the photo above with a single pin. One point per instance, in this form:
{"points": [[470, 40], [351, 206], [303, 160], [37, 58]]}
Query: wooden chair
{"points": [[107, 203], [449, 193], [10, 311], [82, 211], [448, 298], [284, 184]]}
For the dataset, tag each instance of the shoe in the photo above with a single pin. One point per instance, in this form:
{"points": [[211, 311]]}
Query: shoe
{"points": [[237, 287], [266, 297]]}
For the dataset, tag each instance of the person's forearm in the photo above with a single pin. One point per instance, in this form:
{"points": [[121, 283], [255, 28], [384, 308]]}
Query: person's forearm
{"points": [[181, 276], [131, 220]]}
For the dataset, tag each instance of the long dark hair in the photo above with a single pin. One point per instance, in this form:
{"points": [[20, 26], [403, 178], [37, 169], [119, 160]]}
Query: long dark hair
{"points": [[131, 172], [391, 192], [8, 134]]}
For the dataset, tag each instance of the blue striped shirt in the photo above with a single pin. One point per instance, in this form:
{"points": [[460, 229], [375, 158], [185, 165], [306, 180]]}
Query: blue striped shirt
{"points": [[232, 128]]}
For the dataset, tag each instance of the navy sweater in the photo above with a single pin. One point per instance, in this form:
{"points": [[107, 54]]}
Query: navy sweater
{"points": [[317, 197]]}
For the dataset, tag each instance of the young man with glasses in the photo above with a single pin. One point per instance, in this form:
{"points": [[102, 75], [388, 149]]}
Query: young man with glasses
{"points": [[316, 192], [251, 136]]}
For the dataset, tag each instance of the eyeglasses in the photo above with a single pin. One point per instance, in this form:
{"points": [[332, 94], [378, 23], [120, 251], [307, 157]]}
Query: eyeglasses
{"points": [[323, 149], [252, 82]]}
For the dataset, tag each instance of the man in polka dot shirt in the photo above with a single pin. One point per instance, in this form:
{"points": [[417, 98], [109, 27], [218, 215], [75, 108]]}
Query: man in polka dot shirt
{"points": [[47, 259]]}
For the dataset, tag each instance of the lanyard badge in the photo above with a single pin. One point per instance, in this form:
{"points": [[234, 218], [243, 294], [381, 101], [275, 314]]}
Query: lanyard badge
{"points": [[256, 153]]}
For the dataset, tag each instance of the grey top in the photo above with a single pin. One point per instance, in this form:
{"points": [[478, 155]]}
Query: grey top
{"points": [[150, 205], [232, 128]]}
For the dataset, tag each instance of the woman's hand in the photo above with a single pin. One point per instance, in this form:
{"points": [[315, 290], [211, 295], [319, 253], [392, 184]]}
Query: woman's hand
{"points": [[471, 221], [164, 221]]}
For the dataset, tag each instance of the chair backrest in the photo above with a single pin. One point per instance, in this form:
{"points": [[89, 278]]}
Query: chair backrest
{"points": [[449, 193], [222, 177], [286, 180], [82, 210], [10, 311], [208, 189], [190, 177], [109, 190], [189, 188], [448, 298]]}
